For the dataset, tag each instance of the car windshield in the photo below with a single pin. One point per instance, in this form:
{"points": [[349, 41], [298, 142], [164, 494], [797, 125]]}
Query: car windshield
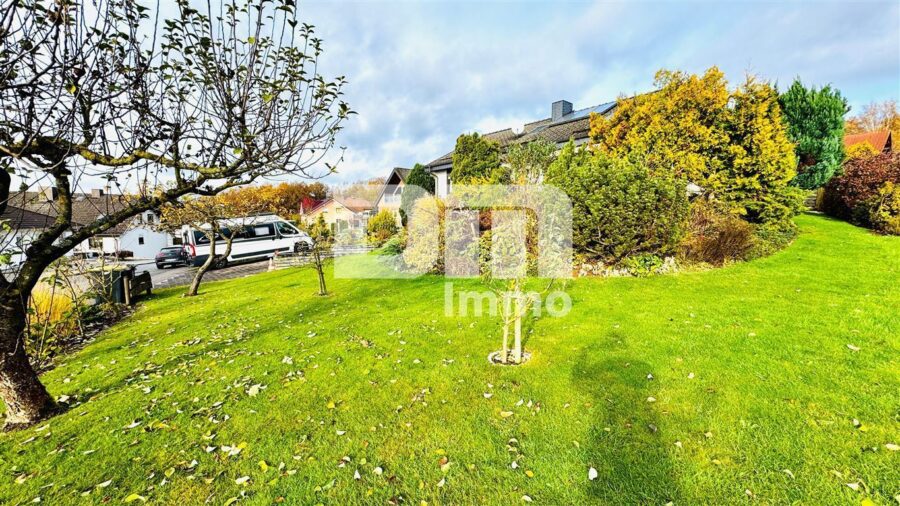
{"points": [[286, 229], [171, 250]]}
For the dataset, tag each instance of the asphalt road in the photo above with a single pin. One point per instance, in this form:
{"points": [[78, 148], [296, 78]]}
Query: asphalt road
{"points": [[178, 276]]}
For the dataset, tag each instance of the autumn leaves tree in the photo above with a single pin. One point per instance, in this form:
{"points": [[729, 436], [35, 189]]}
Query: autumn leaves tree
{"points": [[874, 117], [206, 101], [283, 199]]}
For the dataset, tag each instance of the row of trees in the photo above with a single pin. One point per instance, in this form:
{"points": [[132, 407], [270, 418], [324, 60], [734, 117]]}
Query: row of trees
{"points": [[734, 148], [214, 98]]}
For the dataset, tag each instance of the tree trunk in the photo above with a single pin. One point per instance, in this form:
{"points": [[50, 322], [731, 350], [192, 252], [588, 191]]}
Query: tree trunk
{"points": [[26, 399], [504, 353], [323, 290], [517, 343], [195, 283]]}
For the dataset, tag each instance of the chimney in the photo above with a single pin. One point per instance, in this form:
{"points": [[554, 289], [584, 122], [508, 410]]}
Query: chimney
{"points": [[97, 192], [559, 109], [50, 193]]}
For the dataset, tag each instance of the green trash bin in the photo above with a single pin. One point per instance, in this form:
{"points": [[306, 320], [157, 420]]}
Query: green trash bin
{"points": [[112, 282]]}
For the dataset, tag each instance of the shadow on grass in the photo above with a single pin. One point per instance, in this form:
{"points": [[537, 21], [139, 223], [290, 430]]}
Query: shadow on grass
{"points": [[624, 442]]}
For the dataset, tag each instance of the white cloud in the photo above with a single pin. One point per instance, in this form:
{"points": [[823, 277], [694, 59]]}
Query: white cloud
{"points": [[422, 73]]}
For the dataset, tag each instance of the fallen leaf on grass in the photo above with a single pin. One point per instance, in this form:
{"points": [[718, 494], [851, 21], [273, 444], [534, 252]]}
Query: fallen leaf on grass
{"points": [[135, 497], [592, 474], [852, 348], [506, 414]]}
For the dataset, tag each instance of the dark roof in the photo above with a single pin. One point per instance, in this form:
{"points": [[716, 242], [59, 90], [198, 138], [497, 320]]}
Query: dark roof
{"points": [[20, 219], [575, 125], [85, 208], [398, 175], [881, 141]]}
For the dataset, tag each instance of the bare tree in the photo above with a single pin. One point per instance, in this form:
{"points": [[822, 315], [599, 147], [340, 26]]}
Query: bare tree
{"points": [[194, 105]]}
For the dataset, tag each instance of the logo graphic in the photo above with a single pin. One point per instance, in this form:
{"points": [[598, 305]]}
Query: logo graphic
{"points": [[500, 233]]}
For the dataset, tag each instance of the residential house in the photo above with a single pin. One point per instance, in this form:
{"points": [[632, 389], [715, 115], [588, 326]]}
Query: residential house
{"points": [[24, 227], [136, 235], [342, 213], [564, 123], [389, 198], [881, 141]]}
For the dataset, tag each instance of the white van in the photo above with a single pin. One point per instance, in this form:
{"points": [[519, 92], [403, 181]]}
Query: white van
{"points": [[256, 237]]}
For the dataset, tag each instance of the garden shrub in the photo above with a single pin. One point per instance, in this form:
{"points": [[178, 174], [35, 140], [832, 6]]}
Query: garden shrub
{"points": [[619, 209], [715, 236], [475, 159], [884, 209], [424, 251], [419, 178], [643, 265], [862, 150], [732, 143], [769, 238], [382, 227], [394, 245], [862, 178]]}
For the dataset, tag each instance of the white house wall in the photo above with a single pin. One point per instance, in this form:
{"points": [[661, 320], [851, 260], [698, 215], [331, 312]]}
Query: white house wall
{"points": [[153, 242], [441, 183]]}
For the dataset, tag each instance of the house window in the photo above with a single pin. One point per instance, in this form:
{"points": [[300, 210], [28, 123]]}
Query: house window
{"points": [[150, 218], [176, 241], [95, 243], [141, 240]]}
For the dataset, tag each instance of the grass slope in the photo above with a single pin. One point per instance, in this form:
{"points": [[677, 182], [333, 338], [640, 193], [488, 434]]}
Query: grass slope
{"points": [[259, 378]]}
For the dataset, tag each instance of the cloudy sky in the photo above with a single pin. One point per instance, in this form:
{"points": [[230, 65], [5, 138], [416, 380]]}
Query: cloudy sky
{"points": [[421, 73]]}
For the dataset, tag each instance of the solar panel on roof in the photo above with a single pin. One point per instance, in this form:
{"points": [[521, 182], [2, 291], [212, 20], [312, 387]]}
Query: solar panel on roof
{"points": [[583, 113]]}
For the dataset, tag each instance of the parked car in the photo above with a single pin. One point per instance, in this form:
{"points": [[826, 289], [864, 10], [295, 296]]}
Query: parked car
{"points": [[173, 256]]}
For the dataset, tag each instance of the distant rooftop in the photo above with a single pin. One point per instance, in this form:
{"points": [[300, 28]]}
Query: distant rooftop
{"points": [[563, 124]]}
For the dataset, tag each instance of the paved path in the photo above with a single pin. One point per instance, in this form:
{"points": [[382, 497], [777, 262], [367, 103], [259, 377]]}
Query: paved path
{"points": [[178, 276]]}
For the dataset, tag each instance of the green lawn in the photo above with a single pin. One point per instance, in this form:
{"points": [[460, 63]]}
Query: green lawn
{"points": [[755, 389]]}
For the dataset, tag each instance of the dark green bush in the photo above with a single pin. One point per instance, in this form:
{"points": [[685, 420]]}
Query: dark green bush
{"points": [[619, 208], [769, 238]]}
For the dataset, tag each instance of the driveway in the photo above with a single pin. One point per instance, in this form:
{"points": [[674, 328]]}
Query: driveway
{"points": [[178, 276]]}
